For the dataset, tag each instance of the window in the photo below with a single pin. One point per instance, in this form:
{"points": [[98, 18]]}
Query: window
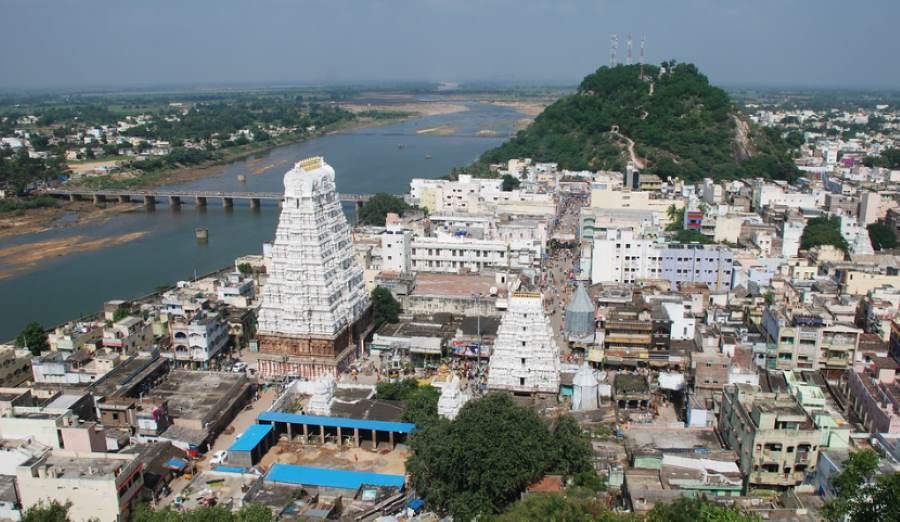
{"points": [[521, 381]]}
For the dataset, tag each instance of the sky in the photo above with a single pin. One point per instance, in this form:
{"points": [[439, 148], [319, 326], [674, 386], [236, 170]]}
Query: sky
{"points": [[94, 43]]}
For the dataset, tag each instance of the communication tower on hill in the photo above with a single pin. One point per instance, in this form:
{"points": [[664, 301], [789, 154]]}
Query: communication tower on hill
{"points": [[628, 50], [613, 48]]}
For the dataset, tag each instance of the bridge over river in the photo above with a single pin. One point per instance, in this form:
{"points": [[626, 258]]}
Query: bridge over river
{"points": [[176, 197]]}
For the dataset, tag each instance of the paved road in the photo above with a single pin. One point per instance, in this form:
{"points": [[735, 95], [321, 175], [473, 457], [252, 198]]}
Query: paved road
{"points": [[556, 270]]}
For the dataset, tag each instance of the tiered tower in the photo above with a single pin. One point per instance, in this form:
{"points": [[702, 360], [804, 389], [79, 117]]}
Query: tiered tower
{"points": [[525, 359], [314, 308]]}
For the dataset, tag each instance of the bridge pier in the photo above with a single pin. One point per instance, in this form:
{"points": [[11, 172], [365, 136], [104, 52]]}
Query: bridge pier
{"points": [[254, 203], [201, 201], [124, 198], [228, 202], [175, 201], [99, 199], [359, 205], [74, 197], [150, 201]]}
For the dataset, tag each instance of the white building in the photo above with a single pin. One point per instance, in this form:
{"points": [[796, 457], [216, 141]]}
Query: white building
{"points": [[791, 232], [620, 255], [452, 399], [198, 340], [525, 358], [100, 486]]}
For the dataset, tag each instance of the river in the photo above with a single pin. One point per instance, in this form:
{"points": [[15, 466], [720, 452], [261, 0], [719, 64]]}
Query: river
{"points": [[365, 161]]}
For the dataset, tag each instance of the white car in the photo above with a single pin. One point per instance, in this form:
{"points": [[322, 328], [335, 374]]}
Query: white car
{"points": [[239, 367], [219, 457]]}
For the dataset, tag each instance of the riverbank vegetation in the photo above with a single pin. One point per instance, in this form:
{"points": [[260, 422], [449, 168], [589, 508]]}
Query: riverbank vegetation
{"points": [[141, 138]]}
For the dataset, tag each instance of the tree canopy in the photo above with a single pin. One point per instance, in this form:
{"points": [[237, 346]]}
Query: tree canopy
{"points": [[421, 401], [510, 183], [385, 309], [374, 211], [823, 231], [669, 116], [33, 337], [882, 236], [480, 462], [861, 494]]}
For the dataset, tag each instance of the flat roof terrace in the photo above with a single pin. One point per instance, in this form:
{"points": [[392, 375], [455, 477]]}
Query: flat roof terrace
{"points": [[195, 395]]}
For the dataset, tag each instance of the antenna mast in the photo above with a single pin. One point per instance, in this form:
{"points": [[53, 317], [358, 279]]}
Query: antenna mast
{"points": [[641, 58], [613, 47], [628, 51]]}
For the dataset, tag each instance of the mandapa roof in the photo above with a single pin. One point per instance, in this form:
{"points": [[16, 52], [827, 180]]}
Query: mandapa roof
{"points": [[581, 301], [331, 478], [336, 422], [251, 438]]}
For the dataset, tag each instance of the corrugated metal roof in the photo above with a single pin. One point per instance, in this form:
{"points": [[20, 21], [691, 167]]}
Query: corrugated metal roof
{"points": [[251, 438], [331, 478], [336, 422], [581, 301]]}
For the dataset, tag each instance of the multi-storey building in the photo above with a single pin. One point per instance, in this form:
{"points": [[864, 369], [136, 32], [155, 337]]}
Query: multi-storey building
{"points": [[99, 486], [128, 335], [314, 309], [198, 340], [15, 366], [799, 339], [776, 440], [621, 256], [873, 393]]}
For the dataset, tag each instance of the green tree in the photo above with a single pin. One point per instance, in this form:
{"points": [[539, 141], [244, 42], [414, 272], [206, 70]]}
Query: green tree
{"points": [[52, 512], [385, 309], [33, 337], [245, 268], [695, 509], [861, 495], [482, 461], [119, 314], [882, 236], [572, 448], [510, 183], [823, 231], [421, 406], [376, 208]]}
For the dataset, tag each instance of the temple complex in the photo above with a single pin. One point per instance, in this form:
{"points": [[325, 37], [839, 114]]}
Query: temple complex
{"points": [[314, 310], [525, 359]]}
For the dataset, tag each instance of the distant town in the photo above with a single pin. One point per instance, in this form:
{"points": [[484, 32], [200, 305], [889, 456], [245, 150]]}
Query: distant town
{"points": [[644, 343]]}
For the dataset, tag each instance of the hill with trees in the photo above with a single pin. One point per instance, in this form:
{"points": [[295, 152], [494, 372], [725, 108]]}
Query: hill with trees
{"points": [[668, 120]]}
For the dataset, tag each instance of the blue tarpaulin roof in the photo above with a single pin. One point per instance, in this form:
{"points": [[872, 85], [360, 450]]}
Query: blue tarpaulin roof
{"points": [[174, 463], [331, 478], [251, 438], [230, 469], [335, 422]]}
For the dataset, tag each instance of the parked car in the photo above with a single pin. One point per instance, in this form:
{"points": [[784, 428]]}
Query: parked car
{"points": [[239, 367], [219, 457]]}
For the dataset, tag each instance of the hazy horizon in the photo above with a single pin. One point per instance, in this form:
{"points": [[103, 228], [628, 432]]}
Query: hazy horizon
{"points": [[104, 44]]}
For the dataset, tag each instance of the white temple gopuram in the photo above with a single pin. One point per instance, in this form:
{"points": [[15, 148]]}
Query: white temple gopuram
{"points": [[314, 307], [525, 358]]}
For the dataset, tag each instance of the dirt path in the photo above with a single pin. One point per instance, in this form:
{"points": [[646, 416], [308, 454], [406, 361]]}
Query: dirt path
{"points": [[638, 162]]}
